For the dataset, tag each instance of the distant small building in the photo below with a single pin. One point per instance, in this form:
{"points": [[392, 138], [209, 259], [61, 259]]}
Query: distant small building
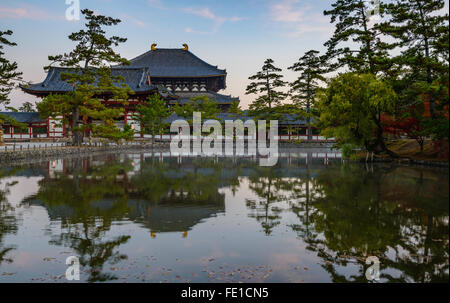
{"points": [[36, 127]]}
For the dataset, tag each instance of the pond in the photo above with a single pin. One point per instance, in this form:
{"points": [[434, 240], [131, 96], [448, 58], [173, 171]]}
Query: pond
{"points": [[157, 218]]}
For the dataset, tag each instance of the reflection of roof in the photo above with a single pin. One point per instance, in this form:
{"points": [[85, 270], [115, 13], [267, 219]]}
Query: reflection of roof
{"points": [[173, 216], [167, 216], [135, 78], [164, 62], [24, 117], [184, 97]]}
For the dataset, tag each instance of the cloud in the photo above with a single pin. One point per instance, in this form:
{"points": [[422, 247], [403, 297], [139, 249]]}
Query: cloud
{"points": [[26, 12], [205, 13], [156, 3], [298, 20], [236, 19], [208, 14], [190, 30], [285, 12], [134, 20]]}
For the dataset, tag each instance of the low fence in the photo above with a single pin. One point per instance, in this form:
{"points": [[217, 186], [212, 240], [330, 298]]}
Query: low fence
{"points": [[21, 146]]}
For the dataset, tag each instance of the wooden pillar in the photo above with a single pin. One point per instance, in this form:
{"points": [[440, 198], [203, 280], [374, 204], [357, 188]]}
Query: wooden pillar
{"points": [[48, 127]]}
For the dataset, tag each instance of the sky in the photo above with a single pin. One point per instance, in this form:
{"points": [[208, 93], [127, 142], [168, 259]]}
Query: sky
{"points": [[236, 35]]}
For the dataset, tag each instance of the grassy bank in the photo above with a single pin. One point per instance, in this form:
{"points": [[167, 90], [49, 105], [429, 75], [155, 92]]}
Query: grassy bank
{"points": [[410, 149]]}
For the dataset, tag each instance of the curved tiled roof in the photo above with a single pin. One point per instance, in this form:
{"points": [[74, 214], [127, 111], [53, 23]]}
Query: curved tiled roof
{"points": [[244, 116], [185, 97], [168, 62], [21, 117], [135, 77]]}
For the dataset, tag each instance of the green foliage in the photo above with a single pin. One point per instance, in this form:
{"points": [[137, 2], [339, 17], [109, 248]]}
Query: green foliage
{"points": [[267, 84], [152, 116], [91, 78], [27, 107], [351, 109], [303, 90], [208, 107], [355, 44], [235, 108], [311, 69], [348, 150], [421, 34], [10, 121], [8, 70]]}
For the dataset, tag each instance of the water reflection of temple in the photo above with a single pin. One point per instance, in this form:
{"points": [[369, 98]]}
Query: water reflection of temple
{"points": [[163, 199], [342, 213], [182, 163]]}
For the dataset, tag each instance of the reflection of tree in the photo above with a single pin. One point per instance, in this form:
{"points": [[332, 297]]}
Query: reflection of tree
{"points": [[268, 185], [8, 221], [360, 213], [93, 252], [79, 197], [89, 199], [192, 182], [302, 198]]}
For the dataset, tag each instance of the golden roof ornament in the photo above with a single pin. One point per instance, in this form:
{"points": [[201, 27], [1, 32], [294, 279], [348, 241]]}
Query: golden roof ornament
{"points": [[186, 47], [154, 46]]}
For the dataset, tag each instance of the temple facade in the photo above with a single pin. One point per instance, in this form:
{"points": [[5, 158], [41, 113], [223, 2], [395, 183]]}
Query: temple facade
{"points": [[177, 75], [184, 74]]}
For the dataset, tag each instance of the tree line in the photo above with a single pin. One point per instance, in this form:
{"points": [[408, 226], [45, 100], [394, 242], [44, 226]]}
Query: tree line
{"points": [[392, 77]]}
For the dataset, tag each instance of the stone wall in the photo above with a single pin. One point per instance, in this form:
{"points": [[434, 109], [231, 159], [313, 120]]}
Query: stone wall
{"points": [[62, 151]]}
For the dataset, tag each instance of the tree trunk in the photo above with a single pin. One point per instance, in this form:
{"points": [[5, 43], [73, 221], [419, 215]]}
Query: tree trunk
{"points": [[1, 135], [427, 55], [308, 110], [421, 142], [77, 135], [380, 143], [153, 136]]}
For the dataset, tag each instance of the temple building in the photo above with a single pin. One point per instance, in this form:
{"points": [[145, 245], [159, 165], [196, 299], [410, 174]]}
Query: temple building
{"points": [[184, 74], [177, 75]]}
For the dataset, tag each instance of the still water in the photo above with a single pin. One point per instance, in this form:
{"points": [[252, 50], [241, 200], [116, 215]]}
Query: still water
{"points": [[150, 218]]}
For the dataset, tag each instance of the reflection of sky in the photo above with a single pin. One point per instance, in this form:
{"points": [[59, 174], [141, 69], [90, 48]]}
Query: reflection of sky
{"points": [[219, 244], [231, 239]]}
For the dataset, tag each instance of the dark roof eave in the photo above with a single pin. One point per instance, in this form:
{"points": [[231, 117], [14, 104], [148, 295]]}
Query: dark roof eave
{"points": [[193, 77], [46, 93]]}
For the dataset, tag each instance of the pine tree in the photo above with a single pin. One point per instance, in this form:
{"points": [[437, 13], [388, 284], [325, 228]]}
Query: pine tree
{"points": [[421, 32], [8, 77], [268, 84], [8, 70], [303, 90], [90, 76], [356, 44], [27, 107], [152, 116]]}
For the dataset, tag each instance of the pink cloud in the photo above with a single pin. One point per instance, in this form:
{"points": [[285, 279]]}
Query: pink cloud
{"points": [[208, 14], [136, 21], [298, 19], [26, 12]]}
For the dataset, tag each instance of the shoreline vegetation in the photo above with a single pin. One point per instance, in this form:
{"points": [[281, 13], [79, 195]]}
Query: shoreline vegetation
{"points": [[408, 150]]}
